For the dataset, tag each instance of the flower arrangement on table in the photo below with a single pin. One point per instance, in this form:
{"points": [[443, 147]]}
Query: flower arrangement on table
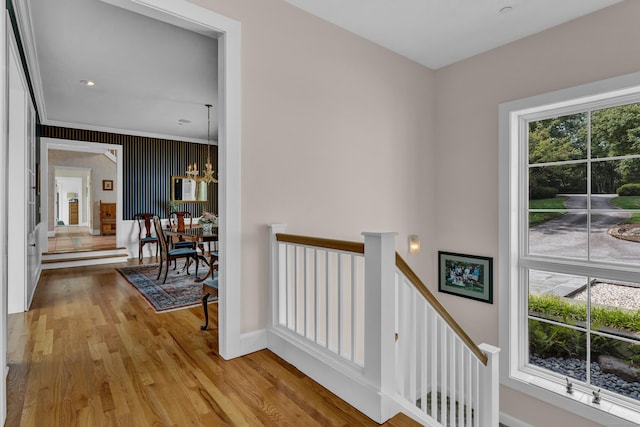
{"points": [[208, 220]]}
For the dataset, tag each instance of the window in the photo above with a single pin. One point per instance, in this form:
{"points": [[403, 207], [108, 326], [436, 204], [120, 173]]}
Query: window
{"points": [[571, 248]]}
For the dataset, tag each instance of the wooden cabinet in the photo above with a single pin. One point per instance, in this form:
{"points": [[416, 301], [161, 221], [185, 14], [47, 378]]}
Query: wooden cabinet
{"points": [[107, 218], [73, 212], [107, 227]]}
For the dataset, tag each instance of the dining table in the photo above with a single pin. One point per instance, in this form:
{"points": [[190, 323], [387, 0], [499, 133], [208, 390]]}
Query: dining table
{"points": [[197, 234]]}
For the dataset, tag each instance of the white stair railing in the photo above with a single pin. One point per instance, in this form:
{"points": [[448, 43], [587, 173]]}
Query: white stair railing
{"points": [[355, 318], [450, 381], [320, 297]]}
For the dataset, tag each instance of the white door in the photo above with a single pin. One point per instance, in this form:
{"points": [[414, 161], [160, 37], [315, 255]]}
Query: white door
{"points": [[33, 252], [22, 244]]}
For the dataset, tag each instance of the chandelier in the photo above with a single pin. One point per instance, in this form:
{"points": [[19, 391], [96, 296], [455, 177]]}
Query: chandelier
{"points": [[207, 174], [208, 171]]}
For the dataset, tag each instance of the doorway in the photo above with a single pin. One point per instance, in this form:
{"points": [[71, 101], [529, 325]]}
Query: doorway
{"points": [[69, 199], [197, 18], [73, 226], [62, 185]]}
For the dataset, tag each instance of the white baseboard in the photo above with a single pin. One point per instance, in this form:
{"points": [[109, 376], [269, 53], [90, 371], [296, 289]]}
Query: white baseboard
{"points": [[510, 421], [333, 375], [253, 341], [36, 281], [51, 233]]}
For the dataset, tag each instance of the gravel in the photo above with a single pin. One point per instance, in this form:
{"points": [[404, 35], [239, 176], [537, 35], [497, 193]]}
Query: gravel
{"points": [[602, 293], [575, 368], [615, 295]]}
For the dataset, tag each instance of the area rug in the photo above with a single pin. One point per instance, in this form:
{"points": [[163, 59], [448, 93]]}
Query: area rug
{"points": [[178, 292]]}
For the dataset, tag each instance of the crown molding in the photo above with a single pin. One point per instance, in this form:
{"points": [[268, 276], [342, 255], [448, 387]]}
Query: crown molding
{"points": [[84, 126]]}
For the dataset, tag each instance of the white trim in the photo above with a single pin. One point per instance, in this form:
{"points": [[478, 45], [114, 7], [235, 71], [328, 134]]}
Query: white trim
{"points": [[19, 109], [196, 18], [253, 341], [512, 421], [511, 117], [25, 27], [4, 207], [73, 168], [333, 374], [230, 192]]}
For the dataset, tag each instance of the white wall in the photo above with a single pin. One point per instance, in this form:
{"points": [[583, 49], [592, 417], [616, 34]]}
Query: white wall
{"points": [[595, 47], [336, 136], [340, 136]]}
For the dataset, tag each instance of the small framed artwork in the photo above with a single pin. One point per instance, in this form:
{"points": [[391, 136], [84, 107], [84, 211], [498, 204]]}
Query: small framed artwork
{"points": [[467, 276], [107, 184]]}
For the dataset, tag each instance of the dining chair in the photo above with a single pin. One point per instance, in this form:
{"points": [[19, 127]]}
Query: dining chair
{"points": [[181, 220], [209, 287], [144, 233], [168, 254]]}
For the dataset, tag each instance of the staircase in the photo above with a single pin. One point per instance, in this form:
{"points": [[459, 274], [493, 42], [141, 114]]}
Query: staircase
{"points": [[79, 258], [355, 318]]}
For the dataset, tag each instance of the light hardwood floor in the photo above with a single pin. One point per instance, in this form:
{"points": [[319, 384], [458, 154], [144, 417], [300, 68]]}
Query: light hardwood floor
{"points": [[78, 238], [91, 352]]}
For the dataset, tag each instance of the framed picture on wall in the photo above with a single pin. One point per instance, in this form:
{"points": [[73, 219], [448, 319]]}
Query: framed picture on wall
{"points": [[107, 184], [467, 276]]}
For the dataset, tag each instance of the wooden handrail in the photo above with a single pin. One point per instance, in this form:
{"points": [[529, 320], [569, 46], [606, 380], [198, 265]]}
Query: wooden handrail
{"points": [[340, 245], [417, 283], [356, 247]]}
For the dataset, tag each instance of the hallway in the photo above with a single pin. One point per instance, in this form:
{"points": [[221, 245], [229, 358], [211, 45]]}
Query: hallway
{"points": [[92, 352]]}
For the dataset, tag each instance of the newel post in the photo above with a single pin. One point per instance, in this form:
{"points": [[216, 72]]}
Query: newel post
{"points": [[490, 387], [379, 314], [275, 261]]}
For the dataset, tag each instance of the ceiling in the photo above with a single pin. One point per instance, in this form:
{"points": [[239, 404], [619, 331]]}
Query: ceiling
{"points": [[154, 78], [436, 33], [151, 77]]}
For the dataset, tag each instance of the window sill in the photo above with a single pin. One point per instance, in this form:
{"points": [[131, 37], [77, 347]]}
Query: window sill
{"points": [[579, 403]]}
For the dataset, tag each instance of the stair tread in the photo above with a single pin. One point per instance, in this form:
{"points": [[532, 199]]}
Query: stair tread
{"points": [[61, 260], [111, 248]]}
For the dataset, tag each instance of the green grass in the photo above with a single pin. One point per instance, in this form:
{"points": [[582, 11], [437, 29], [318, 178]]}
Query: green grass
{"points": [[553, 203], [536, 218], [628, 202], [559, 309]]}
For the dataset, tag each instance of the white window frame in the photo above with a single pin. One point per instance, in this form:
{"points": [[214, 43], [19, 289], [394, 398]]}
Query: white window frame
{"points": [[514, 117]]}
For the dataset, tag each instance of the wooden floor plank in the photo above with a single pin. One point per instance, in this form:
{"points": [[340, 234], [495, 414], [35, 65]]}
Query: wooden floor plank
{"points": [[91, 352]]}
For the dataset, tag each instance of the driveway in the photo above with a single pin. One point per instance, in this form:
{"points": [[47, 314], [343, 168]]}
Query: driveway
{"points": [[566, 235]]}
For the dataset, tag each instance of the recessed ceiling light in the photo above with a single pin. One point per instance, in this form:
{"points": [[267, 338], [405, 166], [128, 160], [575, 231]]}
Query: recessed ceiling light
{"points": [[506, 9], [87, 82]]}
